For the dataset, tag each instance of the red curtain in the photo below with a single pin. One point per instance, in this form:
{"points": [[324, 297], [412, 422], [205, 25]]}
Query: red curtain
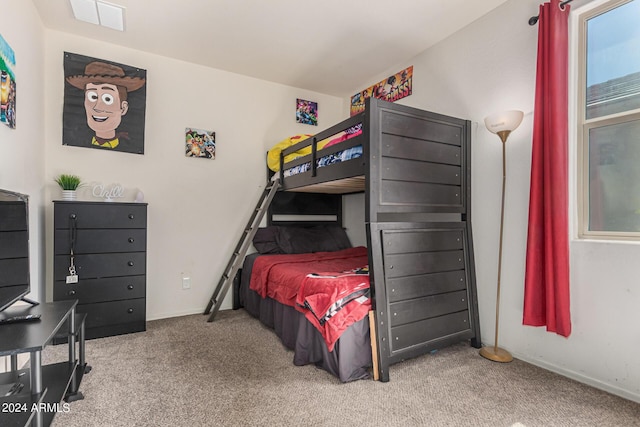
{"points": [[546, 296]]}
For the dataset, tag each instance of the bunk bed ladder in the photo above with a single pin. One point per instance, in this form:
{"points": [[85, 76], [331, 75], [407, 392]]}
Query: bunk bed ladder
{"points": [[241, 250]]}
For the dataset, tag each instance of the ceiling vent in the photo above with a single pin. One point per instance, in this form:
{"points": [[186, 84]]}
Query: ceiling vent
{"points": [[99, 12]]}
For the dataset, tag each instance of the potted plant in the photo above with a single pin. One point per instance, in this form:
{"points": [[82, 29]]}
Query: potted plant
{"points": [[69, 185]]}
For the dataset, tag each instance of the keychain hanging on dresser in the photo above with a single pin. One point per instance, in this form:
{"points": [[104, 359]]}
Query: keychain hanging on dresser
{"points": [[72, 277]]}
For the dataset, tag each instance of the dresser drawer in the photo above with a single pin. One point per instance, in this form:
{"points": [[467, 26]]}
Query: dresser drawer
{"points": [[100, 215], [95, 241], [113, 312], [99, 290], [92, 266]]}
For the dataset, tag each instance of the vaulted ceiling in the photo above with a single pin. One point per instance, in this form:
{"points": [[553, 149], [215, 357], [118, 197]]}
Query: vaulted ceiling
{"points": [[334, 47]]}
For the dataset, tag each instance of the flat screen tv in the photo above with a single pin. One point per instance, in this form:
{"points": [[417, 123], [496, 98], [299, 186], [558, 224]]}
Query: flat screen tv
{"points": [[14, 247]]}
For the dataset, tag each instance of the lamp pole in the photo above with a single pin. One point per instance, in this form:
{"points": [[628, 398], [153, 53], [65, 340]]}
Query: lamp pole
{"points": [[502, 125]]}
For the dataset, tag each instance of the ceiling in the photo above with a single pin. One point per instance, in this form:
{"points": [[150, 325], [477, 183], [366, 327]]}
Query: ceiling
{"points": [[335, 47]]}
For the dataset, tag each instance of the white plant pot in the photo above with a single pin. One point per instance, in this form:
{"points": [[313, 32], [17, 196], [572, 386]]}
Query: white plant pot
{"points": [[68, 194]]}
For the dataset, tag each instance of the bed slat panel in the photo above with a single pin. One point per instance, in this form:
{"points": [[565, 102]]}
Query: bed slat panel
{"points": [[416, 127], [424, 262], [409, 170], [404, 288], [394, 193], [420, 149], [422, 241], [429, 330], [425, 308]]}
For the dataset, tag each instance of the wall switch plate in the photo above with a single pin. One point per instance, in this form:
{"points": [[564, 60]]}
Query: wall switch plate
{"points": [[186, 283]]}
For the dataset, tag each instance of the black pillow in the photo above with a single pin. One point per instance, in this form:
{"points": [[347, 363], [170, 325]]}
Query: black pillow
{"points": [[298, 240], [265, 241]]}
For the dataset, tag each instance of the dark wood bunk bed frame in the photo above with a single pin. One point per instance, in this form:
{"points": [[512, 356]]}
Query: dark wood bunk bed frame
{"points": [[422, 276]]}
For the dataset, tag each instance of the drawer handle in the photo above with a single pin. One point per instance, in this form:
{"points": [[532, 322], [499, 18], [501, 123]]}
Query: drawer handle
{"points": [[130, 216], [130, 263], [131, 240], [73, 216], [130, 310], [130, 287], [72, 293]]}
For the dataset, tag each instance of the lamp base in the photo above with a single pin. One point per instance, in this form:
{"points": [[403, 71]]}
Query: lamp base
{"points": [[496, 354]]}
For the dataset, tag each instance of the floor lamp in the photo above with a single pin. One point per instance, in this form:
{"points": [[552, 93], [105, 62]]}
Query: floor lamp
{"points": [[501, 124]]}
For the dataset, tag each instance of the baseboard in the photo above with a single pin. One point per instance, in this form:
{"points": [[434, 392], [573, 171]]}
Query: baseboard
{"points": [[626, 394], [158, 316]]}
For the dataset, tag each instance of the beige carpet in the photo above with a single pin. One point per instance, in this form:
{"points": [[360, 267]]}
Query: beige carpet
{"points": [[234, 372]]}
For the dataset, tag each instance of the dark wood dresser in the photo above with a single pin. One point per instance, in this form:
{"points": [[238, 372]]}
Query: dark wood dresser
{"points": [[109, 242]]}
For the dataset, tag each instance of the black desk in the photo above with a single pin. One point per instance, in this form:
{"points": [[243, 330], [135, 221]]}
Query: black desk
{"points": [[44, 387]]}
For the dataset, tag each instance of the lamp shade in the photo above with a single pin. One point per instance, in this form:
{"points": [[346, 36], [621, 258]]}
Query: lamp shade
{"points": [[505, 121]]}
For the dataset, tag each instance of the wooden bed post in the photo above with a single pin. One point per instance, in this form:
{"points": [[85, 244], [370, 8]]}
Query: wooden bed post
{"points": [[374, 344]]}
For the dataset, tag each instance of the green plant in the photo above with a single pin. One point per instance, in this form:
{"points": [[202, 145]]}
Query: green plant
{"points": [[68, 182]]}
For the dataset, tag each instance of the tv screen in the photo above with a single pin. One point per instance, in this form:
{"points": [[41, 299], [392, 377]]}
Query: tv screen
{"points": [[14, 247]]}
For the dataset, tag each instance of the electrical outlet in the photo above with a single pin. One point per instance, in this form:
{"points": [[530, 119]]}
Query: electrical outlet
{"points": [[186, 283]]}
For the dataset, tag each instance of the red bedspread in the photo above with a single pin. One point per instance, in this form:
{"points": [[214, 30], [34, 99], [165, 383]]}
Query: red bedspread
{"points": [[334, 301], [284, 279]]}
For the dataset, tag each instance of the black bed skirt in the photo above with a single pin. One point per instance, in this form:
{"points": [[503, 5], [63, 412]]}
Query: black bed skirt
{"points": [[351, 357]]}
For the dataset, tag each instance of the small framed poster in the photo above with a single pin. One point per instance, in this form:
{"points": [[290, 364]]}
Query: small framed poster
{"points": [[306, 112], [200, 143]]}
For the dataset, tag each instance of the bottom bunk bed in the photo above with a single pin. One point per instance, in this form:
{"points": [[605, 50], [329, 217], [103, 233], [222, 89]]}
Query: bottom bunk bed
{"points": [[348, 359]]}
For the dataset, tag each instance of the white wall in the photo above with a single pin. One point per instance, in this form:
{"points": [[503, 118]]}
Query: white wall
{"points": [[22, 148], [197, 207], [488, 67]]}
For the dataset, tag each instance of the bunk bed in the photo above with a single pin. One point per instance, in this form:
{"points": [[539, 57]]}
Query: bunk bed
{"points": [[414, 169]]}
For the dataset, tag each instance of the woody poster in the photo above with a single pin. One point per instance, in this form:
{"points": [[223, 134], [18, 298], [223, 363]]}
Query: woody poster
{"points": [[104, 104]]}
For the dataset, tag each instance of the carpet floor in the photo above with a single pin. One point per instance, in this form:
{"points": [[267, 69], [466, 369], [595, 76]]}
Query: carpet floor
{"points": [[235, 372]]}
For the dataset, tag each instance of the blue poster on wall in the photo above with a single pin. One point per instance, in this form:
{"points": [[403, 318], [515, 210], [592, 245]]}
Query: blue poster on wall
{"points": [[7, 84]]}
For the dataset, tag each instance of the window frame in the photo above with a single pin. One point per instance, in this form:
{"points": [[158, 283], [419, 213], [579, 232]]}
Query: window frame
{"points": [[584, 125]]}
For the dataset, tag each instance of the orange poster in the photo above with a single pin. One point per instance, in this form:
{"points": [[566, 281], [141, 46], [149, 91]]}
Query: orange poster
{"points": [[390, 89]]}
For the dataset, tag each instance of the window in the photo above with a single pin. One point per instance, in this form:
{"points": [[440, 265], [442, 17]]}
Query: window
{"points": [[609, 121]]}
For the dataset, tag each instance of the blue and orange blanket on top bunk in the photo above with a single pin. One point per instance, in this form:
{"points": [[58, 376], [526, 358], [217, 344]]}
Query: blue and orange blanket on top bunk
{"points": [[273, 155], [330, 288]]}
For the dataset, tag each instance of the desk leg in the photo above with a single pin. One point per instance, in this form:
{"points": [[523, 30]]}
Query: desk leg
{"points": [[14, 362], [72, 336], [36, 372], [73, 393], [36, 382], [81, 345]]}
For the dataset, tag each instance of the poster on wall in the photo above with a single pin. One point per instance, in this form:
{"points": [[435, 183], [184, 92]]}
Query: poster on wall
{"points": [[306, 112], [200, 143], [104, 104], [394, 87], [7, 84]]}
